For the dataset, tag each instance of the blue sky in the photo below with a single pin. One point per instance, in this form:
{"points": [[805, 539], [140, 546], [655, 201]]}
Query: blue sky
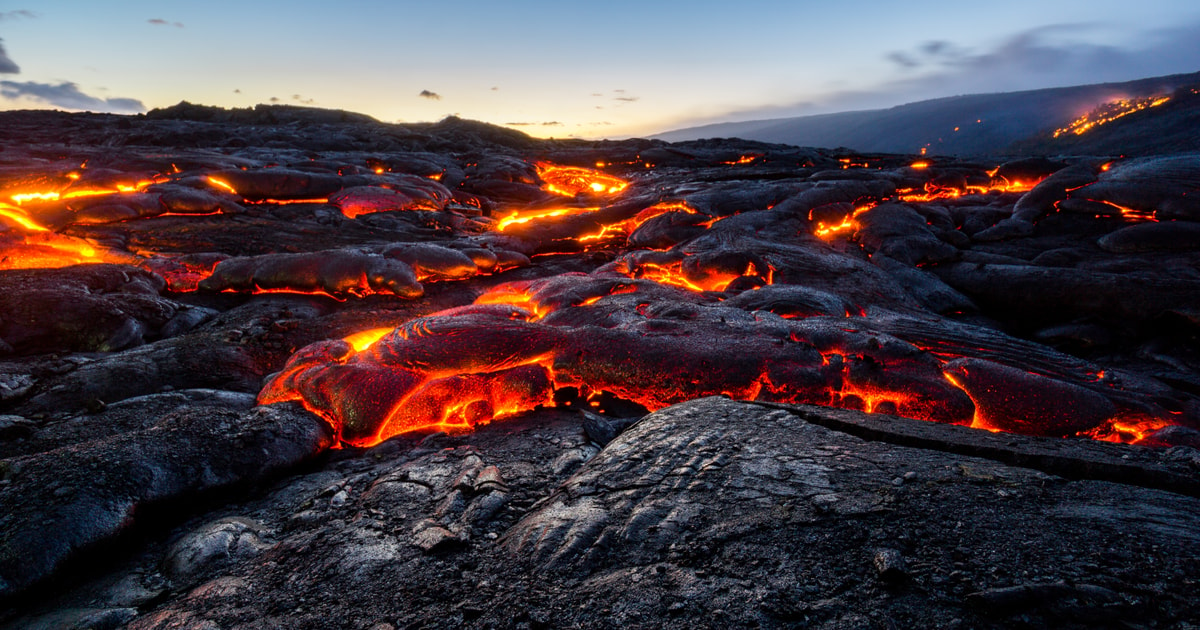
{"points": [[612, 69]]}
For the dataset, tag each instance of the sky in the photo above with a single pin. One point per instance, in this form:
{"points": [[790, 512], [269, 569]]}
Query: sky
{"points": [[613, 69]]}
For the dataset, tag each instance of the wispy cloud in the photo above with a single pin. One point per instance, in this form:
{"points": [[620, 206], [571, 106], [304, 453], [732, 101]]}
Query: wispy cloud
{"points": [[20, 14], [1047, 56], [67, 95], [7, 65], [433, 96], [303, 101], [162, 22], [552, 123]]}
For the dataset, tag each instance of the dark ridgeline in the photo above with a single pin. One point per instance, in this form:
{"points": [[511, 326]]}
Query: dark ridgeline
{"points": [[1011, 123]]}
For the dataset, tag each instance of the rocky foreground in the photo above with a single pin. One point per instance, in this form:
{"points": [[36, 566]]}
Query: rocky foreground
{"points": [[294, 368]]}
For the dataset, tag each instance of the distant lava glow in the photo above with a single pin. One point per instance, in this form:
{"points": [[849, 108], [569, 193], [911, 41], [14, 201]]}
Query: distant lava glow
{"points": [[1109, 112]]}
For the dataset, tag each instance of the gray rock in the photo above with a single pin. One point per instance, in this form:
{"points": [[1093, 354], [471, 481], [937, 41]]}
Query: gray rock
{"points": [[187, 453], [212, 547]]}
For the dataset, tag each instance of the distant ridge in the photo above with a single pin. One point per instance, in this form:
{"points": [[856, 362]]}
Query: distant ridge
{"points": [[987, 124]]}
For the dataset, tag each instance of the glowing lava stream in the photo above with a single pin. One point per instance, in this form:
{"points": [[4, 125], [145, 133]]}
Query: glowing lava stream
{"points": [[504, 355], [570, 181], [518, 217], [1109, 112], [44, 249]]}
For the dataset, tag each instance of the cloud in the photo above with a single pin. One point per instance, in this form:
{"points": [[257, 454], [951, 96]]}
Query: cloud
{"points": [[6, 16], [433, 96], [302, 100], [162, 22], [66, 95], [627, 99], [274, 99], [552, 123], [7, 65], [1055, 55], [904, 60]]}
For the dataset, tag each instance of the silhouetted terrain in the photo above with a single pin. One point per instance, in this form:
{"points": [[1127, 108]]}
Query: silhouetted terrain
{"points": [[1173, 127], [978, 124]]}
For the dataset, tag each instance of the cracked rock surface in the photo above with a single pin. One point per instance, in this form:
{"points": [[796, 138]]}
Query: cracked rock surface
{"points": [[708, 512]]}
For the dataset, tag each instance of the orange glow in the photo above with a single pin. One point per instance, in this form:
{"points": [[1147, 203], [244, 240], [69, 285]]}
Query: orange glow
{"points": [[517, 217], [1127, 429], [284, 202], [42, 196], [920, 165], [569, 181], [47, 250], [627, 227], [849, 223], [977, 422], [1109, 112], [222, 184], [19, 217], [362, 340], [933, 192], [370, 393], [1129, 213], [512, 294], [745, 159], [21, 198], [672, 274]]}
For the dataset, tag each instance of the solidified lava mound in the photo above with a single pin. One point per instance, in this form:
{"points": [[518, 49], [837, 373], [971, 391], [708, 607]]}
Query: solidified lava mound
{"points": [[247, 357]]}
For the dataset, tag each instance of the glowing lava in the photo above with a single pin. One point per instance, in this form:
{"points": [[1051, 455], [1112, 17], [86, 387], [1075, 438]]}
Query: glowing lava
{"points": [[47, 250], [570, 181], [518, 217], [1109, 112]]}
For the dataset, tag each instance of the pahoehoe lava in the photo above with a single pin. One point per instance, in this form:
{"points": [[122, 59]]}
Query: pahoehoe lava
{"points": [[246, 357]]}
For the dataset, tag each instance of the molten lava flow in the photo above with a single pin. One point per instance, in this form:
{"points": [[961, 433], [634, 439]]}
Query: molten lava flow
{"points": [[1132, 214], [1128, 429], [745, 159], [20, 218], [70, 191], [221, 184], [512, 294], [934, 192], [848, 223], [362, 340], [623, 229], [1109, 112], [47, 250], [570, 181], [511, 352], [518, 217]]}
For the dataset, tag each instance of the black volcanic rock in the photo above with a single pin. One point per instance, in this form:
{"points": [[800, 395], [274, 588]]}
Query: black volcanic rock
{"points": [[91, 492], [96, 308], [479, 356]]}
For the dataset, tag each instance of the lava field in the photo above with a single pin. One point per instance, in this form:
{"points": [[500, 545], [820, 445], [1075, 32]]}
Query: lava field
{"points": [[298, 368]]}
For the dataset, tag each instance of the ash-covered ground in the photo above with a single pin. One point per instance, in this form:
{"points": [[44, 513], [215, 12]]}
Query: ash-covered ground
{"points": [[296, 368]]}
